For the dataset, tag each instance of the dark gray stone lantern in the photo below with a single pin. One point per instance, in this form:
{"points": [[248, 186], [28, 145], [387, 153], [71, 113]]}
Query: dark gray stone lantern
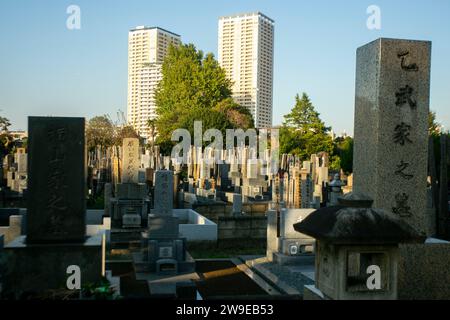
{"points": [[357, 249]]}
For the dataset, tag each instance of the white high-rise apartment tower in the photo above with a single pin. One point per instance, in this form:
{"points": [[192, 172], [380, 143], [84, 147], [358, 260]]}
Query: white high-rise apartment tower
{"points": [[147, 48], [246, 43]]}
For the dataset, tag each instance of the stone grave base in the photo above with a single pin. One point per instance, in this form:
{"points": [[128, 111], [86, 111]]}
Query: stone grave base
{"points": [[285, 260], [143, 267], [424, 272], [121, 238], [287, 280], [166, 285], [36, 268]]}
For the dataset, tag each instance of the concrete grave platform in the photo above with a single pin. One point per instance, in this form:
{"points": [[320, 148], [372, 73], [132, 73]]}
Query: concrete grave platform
{"points": [[288, 280]]}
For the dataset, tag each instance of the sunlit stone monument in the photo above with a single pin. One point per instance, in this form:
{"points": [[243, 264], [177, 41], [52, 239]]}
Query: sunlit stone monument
{"points": [[391, 126], [130, 206], [391, 152]]}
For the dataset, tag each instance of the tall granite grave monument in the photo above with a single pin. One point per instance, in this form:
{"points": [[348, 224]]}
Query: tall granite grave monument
{"points": [[391, 126], [56, 228], [391, 151]]}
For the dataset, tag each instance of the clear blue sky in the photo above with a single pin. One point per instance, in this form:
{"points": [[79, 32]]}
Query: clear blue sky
{"points": [[46, 69]]}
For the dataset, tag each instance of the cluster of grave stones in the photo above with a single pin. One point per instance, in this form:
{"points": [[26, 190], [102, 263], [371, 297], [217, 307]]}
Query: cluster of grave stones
{"points": [[390, 166], [15, 166], [56, 237]]}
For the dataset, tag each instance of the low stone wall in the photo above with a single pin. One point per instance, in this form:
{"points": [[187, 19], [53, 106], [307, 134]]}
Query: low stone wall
{"points": [[214, 211], [242, 227], [255, 208]]}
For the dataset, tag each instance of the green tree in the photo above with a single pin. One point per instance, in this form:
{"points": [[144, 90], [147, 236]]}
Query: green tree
{"points": [[100, 132], [125, 131], [304, 117], [434, 128], [344, 150], [4, 124], [6, 143], [195, 88], [303, 132]]}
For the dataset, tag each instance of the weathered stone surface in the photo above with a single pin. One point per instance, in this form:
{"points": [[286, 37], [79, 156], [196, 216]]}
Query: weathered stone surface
{"points": [[289, 217], [131, 191], [391, 114], [357, 226], [423, 271], [37, 267], [163, 227], [107, 197], [272, 234], [131, 162], [163, 204], [237, 203], [56, 180]]}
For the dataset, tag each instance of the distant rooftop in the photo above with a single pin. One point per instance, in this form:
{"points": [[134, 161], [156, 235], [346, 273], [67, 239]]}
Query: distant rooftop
{"points": [[248, 14], [140, 28]]}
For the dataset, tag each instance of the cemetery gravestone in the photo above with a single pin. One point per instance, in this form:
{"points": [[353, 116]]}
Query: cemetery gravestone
{"points": [[56, 186], [163, 251], [56, 236], [163, 192], [391, 126], [130, 149]]}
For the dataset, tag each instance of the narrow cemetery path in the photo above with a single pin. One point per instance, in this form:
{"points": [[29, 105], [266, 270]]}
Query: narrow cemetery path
{"points": [[223, 279]]}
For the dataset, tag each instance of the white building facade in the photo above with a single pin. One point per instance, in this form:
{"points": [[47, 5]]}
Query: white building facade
{"points": [[246, 52], [147, 48]]}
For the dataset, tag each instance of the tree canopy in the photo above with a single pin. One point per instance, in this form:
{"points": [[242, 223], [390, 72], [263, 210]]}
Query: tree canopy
{"points": [[195, 88], [344, 150], [6, 140], [4, 124], [303, 132], [100, 132], [434, 128]]}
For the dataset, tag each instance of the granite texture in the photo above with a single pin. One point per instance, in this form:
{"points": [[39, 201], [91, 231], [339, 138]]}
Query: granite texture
{"points": [[37, 268], [56, 180], [163, 204], [424, 272], [289, 217], [272, 234], [391, 123], [130, 170], [131, 191]]}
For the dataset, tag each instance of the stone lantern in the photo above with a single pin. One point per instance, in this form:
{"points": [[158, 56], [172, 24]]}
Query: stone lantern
{"points": [[357, 250], [336, 189]]}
